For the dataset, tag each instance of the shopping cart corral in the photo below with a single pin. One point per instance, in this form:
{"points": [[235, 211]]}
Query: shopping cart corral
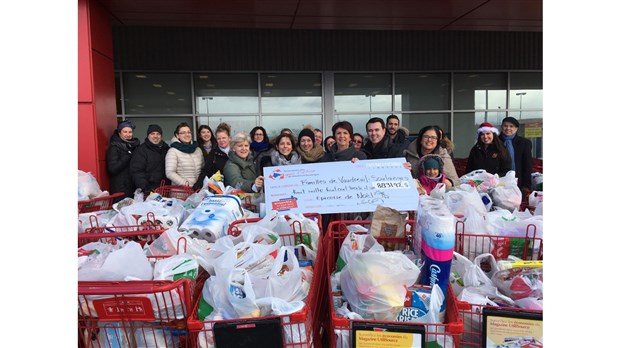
{"points": [[299, 329], [342, 330]]}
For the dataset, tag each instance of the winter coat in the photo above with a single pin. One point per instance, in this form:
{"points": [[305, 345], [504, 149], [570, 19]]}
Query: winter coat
{"points": [[183, 168], [386, 148], [345, 155], [118, 156], [240, 173], [411, 155], [215, 161], [523, 161], [489, 159], [148, 165]]}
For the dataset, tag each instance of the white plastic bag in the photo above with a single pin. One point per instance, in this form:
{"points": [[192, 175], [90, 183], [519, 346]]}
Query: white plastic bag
{"points": [[88, 187], [128, 262], [507, 194], [285, 278], [356, 243], [176, 267]]}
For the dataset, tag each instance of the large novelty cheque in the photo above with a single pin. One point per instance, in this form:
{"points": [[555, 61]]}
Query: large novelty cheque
{"points": [[340, 187]]}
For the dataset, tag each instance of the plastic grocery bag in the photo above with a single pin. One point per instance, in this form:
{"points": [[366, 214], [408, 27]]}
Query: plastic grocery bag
{"points": [[507, 194], [375, 284], [128, 262], [309, 228], [285, 278], [176, 267], [464, 196], [88, 187], [356, 243], [250, 256], [475, 229], [241, 294], [480, 179]]}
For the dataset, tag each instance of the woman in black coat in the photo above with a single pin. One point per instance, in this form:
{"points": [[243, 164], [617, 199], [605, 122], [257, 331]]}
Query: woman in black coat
{"points": [[489, 153], [121, 148], [148, 163]]}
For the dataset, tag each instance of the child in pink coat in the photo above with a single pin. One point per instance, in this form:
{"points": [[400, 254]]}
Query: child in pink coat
{"points": [[431, 172]]}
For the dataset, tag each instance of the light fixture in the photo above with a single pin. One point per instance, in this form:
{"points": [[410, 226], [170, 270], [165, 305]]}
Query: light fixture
{"points": [[317, 84], [140, 105], [269, 84], [181, 99], [203, 76], [210, 85], [171, 93], [141, 76], [352, 84], [156, 85]]}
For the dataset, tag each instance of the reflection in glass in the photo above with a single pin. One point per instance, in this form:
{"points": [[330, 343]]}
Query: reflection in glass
{"points": [[357, 121], [168, 125], [237, 123], [363, 92], [291, 92], [418, 92], [480, 91], [274, 124], [226, 93], [157, 93], [415, 122]]}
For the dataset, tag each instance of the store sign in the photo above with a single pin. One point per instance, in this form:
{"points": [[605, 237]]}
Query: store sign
{"points": [[340, 187]]}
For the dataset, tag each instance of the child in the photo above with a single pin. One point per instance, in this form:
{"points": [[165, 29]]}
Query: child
{"points": [[431, 172]]}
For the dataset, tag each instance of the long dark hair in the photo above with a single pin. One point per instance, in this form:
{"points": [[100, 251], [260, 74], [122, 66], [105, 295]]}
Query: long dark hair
{"points": [[418, 145], [499, 145], [202, 142], [265, 137]]}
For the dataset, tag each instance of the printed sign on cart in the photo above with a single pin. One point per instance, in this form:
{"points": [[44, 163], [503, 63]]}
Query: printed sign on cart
{"points": [[340, 187]]}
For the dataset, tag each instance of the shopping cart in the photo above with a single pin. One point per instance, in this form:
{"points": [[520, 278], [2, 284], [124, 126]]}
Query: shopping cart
{"points": [[175, 191], [96, 204], [133, 313], [340, 328], [300, 329], [529, 247]]}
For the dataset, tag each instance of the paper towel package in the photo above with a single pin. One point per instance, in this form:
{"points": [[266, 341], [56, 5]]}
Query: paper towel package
{"points": [[211, 218]]}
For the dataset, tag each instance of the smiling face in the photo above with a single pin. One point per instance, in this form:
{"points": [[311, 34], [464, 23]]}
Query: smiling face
{"points": [[305, 143], [486, 137], [509, 129], [223, 140], [126, 133], [429, 141], [205, 134], [375, 132], [343, 138], [392, 126], [154, 137], [242, 149], [259, 136], [330, 142], [318, 137], [358, 141], [284, 146], [185, 135], [431, 172]]}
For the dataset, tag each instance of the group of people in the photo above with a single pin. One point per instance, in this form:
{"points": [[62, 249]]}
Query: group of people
{"points": [[242, 157]]}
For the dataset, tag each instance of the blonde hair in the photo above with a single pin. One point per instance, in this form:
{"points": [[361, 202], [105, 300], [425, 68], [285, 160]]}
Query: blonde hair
{"points": [[240, 137]]}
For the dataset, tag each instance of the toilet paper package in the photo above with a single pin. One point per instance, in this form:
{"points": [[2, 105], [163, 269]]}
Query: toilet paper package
{"points": [[211, 218]]}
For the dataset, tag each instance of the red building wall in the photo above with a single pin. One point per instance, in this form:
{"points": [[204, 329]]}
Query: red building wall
{"points": [[96, 94]]}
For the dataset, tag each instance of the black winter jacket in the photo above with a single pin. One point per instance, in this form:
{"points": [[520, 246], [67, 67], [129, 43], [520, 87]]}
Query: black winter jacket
{"points": [[387, 149], [118, 157], [489, 159], [523, 161], [213, 162], [148, 166]]}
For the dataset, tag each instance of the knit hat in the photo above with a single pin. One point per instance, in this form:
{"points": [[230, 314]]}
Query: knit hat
{"points": [[154, 128], [125, 124], [511, 120], [431, 163], [487, 127], [306, 133]]}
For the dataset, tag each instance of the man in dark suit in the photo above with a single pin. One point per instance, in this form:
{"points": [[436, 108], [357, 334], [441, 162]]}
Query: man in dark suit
{"points": [[520, 150]]}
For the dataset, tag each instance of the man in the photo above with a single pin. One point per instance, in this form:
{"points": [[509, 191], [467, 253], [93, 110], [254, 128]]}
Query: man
{"points": [[318, 136], [520, 150], [393, 124], [148, 164], [379, 144]]}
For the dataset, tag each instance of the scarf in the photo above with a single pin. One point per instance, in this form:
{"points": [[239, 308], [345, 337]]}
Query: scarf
{"points": [[277, 159], [186, 148], [430, 183], [258, 147], [207, 147], [511, 149], [314, 155]]}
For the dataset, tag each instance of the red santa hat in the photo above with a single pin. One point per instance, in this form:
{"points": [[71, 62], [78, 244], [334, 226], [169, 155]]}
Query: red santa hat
{"points": [[487, 127]]}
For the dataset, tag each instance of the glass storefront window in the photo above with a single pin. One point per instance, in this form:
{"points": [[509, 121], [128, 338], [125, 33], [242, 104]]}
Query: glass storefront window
{"points": [[480, 91], [157, 93], [465, 136], [221, 93], [167, 124], [274, 124], [526, 93], [293, 93], [357, 121], [419, 92], [363, 92], [415, 122], [237, 123]]}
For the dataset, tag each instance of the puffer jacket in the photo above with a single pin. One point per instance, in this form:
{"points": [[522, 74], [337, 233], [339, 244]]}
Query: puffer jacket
{"points": [[411, 155], [239, 173], [148, 165], [183, 168], [118, 156]]}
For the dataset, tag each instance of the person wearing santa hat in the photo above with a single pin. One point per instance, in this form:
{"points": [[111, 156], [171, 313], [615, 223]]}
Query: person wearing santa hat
{"points": [[489, 153]]}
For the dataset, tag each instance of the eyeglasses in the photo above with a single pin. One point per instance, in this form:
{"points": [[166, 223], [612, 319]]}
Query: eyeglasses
{"points": [[184, 133], [358, 141], [431, 137]]}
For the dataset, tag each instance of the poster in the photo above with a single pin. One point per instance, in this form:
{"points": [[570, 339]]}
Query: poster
{"points": [[504, 328], [384, 335], [340, 187]]}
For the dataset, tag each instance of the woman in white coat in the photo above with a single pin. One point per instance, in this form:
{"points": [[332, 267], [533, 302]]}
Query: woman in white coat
{"points": [[184, 160]]}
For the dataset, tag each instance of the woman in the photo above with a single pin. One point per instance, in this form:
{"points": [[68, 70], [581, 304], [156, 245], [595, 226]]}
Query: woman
{"points": [[205, 139], [489, 153], [184, 159], [118, 156], [427, 143], [308, 149], [358, 141], [343, 149], [240, 171], [283, 154], [219, 155], [328, 142], [260, 141]]}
